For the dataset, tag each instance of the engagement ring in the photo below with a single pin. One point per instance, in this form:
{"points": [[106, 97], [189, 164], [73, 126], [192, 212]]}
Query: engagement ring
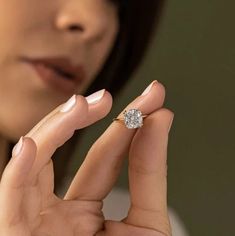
{"points": [[133, 118]]}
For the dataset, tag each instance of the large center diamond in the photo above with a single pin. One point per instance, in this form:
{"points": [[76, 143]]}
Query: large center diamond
{"points": [[133, 119]]}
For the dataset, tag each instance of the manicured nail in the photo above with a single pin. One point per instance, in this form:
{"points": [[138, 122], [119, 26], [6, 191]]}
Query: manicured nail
{"points": [[170, 124], [18, 147], [69, 104], [95, 97], [147, 90]]}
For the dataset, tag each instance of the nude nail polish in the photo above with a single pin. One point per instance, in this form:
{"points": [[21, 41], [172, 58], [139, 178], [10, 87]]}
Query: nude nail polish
{"points": [[95, 97], [170, 124], [148, 89], [69, 104], [18, 147]]}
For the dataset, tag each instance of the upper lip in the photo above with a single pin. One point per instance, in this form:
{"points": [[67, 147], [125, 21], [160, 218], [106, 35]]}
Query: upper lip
{"points": [[63, 66]]}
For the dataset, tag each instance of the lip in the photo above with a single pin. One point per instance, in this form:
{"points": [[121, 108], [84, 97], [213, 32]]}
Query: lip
{"points": [[58, 73]]}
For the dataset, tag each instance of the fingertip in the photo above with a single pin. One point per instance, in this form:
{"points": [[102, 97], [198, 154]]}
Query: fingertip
{"points": [[151, 101], [161, 86], [74, 103], [18, 147], [23, 156], [95, 97], [171, 121], [167, 117], [81, 100], [81, 105], [100, 98], [99, 109], [31, 146], [24, 144], [155, 89], [25, 151], [160, 93], [108, 99], [162, 118]]}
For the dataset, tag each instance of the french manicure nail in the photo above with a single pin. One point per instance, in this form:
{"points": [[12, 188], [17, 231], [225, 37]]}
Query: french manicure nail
{"points": [[170, 124], [95, 97], [18, 147], [147, 90], [69, 104]]}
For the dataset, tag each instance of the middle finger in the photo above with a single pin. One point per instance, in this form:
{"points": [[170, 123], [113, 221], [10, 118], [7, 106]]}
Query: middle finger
{"points": [[59, 126]]}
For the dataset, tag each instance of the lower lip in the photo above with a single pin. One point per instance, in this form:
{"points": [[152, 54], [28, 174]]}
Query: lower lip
{"points": [[54, 80]]}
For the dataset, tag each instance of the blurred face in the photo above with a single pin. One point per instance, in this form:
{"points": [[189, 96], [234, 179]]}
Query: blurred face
{"points": [[49, 50]]}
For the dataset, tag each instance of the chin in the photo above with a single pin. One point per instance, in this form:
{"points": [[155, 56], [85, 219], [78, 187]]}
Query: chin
{"points": [[14, 129]]}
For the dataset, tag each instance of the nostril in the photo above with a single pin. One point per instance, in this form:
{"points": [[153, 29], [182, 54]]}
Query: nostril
{"points": [[75, 28]]}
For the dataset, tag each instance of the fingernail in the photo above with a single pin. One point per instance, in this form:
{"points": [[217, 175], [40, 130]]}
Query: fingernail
{"points": [[170, 124], [18, 147], [95, 97], [69, 104], [147, 90]]}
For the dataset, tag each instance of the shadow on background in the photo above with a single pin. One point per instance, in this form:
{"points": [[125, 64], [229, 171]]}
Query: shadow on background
{"points": [[193, 55]]}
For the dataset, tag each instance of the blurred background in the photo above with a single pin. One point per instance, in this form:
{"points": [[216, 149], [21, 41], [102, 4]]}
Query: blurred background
{"points": [[193, 55]]}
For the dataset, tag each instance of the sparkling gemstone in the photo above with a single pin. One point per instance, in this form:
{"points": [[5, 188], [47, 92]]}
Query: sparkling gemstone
{"points": [[133, 119]]}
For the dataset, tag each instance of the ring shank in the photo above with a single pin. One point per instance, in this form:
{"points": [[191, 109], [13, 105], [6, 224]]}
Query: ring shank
{"points": [[122, 119]]}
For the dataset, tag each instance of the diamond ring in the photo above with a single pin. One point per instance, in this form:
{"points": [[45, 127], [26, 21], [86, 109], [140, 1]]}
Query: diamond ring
{"points": [[133, 118]]}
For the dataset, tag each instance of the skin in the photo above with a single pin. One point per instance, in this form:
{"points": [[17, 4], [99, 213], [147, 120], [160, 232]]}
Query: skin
{"points": [[28, 204], [32, 28]]}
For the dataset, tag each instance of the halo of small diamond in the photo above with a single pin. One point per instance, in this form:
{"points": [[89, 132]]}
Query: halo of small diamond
{"points": [[133, 118]]}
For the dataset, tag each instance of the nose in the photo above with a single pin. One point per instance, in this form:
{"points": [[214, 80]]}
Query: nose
{"points": [[75, 18], [69, 22]]}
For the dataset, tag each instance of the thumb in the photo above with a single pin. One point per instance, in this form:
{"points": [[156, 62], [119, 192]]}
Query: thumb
{"points": [[148, 173]]}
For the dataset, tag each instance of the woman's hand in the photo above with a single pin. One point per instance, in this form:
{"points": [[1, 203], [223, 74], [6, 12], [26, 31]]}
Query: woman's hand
{"points": [[28, 204]]}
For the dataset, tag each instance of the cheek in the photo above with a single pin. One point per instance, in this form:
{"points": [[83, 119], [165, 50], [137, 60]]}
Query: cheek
{"points": [[6, 32], [105, 47], [102, 49], [14, 20], [18, 21]]}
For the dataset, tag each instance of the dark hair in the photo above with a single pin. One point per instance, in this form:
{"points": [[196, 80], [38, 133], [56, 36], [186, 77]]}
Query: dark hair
{"points": [[138, 21]]}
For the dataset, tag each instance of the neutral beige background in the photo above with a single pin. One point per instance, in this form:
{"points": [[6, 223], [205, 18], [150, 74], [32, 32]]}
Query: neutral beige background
{"points": [[194, 57]]}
